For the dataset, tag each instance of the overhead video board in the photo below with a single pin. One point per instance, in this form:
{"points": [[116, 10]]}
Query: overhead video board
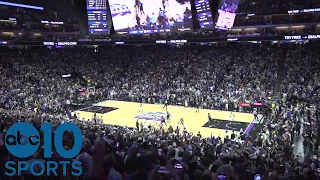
{"points": [[97, 16], [226, 14], [151, 16], [204, 14]]}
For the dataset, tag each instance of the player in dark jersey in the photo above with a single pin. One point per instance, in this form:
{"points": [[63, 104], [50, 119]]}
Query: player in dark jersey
{"points": [[197, 107], [162, 18], [166, 105], [233, 136], [181, 122], [137, 125], [138, 22], [168, 117], [209, 118], [139, 6], [95, 118], [163, 120], [255, 113]]}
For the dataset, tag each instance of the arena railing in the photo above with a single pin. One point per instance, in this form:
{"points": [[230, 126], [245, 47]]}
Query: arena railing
{"points": [[203, 41]]}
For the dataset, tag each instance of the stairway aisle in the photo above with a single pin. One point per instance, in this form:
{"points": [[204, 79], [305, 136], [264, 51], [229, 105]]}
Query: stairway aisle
{"points": [[281, 74], [298, 148]]}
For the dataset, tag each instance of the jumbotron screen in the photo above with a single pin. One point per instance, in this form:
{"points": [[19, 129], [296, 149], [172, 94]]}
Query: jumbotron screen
{"points": [[226, 14], [150, 16]]}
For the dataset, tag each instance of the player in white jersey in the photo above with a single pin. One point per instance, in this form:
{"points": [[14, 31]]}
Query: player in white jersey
{"points": [[185, 104], [232, 116], [141, 109]]}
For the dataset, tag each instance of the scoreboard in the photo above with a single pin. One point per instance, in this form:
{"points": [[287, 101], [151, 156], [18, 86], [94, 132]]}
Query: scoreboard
{"points": [[98, 25], [96, 4], [97, 16], [204, 14]]}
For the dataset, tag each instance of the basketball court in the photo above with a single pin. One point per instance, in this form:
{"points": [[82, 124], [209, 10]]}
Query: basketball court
{"points": [[122, 113]]}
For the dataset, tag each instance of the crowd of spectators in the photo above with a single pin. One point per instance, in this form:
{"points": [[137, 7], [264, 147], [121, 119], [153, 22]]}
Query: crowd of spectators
{"points": [[34, 91], [276, 19], [63, 13], [275, 6], [38, 27], [299, 95], [23, 15], [191, 73]]}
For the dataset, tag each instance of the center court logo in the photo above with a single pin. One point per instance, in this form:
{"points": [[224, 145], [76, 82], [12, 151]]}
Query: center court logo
{"points": [[157, 116], [22, 140]]}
